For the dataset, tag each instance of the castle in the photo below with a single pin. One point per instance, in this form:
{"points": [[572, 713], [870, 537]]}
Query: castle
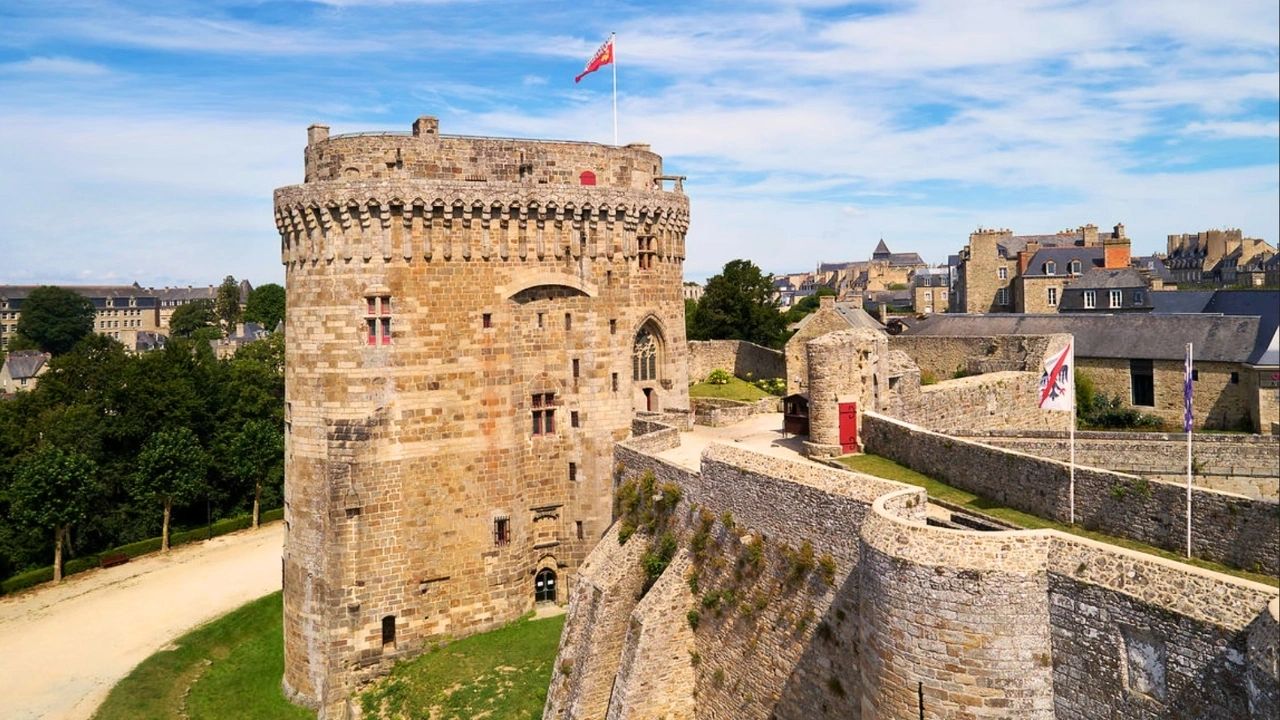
{"points": [[472, 324]]}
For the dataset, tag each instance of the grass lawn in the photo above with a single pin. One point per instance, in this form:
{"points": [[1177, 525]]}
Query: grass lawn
{"points": [[231, 668], [885, 468], [735, 389], [501, 675]]}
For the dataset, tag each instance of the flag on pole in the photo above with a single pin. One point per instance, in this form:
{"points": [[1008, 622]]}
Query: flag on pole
{"points": [[603, 56], [1186, 392], [1057, 384]]}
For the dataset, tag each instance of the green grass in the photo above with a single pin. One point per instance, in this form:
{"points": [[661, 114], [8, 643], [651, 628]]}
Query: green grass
{"points": [[231, 666], [501, 675], [886, 468], [735, 389]]}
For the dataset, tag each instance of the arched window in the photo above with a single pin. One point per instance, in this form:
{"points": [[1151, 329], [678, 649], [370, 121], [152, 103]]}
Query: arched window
{"points": [[544, 586], [644, 356], [587, 178]]}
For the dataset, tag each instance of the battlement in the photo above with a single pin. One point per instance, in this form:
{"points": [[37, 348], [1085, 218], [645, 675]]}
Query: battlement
{"points": [[426, 154]]}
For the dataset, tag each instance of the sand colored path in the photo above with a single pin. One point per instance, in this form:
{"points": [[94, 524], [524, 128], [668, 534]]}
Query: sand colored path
{"points": [[63, 648]]}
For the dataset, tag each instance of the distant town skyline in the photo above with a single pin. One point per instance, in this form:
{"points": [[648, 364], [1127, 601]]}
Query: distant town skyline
{"points": [[142, 139]]}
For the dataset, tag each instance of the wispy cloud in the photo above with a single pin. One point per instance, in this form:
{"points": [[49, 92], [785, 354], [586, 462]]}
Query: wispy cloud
{"points": [[43, 66], [1236, 129]]}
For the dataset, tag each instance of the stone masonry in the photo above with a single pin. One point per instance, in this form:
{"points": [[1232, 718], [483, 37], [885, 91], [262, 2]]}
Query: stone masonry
{"points": [[472, 323], [913, 620]]}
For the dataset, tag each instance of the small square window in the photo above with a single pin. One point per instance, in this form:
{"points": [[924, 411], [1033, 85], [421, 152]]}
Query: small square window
{"points": [[573, 418], [501, 531], [1195, 376], [613, 327], [1002, 273], [1235, 378], [486, 320]]}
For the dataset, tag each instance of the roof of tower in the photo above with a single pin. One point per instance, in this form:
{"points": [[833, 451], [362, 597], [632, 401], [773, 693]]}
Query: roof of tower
{"points": [[881, 251]]}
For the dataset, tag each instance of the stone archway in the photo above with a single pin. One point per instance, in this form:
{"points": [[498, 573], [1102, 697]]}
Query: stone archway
{"points": [[544, 586]]}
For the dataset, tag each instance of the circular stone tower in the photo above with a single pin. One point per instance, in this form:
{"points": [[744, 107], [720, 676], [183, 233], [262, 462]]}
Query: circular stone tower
{"points": [[472, 323]]}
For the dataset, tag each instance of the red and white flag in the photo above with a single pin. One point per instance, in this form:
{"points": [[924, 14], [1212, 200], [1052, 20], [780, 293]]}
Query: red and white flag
{"points": [[1057, 384], [603, 56]]}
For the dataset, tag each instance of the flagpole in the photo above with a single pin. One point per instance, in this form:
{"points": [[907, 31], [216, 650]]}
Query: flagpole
{"points": [[1188, 424], [613, 42], [1073, 432]]}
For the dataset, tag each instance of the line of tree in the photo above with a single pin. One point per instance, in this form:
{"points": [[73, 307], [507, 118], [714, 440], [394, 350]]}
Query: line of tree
{"points": [[111, 448], [737, 304]]}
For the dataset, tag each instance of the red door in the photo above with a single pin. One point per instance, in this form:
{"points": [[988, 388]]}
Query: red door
{"points": [[849, 427]]}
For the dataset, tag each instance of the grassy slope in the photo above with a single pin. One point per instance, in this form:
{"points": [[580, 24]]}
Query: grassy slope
{"points": [[232, 666], [885, 468], [502, 675], [735, 389]]}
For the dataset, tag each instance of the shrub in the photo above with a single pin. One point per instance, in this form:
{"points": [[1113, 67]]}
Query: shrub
{"points": [[566, 667], [719, 377], [694, 617], [827, 564], [773, 386], [928, 378], [801, 562]]}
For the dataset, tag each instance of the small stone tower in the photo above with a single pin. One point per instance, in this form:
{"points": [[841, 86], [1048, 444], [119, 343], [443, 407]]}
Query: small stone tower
{"points": [[472, 323]]}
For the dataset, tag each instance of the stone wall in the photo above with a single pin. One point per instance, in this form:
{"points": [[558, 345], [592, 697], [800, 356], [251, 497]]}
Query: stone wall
{"points": [[718, 412], [1246, 465], [944, 357], [1220, 403], [1231, 529], [845, 366], [826, 319], [1034, 624], [743, 359], [994, 400]]}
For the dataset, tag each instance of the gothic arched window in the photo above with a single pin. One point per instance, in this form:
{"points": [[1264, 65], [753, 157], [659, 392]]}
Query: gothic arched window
{"points": [[644, 356]]}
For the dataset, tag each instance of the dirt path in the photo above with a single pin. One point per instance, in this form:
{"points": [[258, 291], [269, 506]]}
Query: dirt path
{"points": [[63, 648]]}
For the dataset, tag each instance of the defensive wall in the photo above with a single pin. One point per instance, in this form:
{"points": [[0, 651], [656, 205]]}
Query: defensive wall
{"points": [[945, 357], [1231, 529], [739, 357], [719, 412], [1236, 463], [891, 617]]}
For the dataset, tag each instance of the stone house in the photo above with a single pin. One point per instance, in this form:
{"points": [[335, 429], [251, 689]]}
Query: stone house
{"points": [[1215, 257], [1139, 358], [931, 290], [829, 317], [172, 298], [120, 311], [1107, 290], [22, 370]]}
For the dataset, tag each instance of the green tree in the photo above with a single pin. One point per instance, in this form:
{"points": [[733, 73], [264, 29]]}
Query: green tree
{"points": [[55, 319], [193, 316], [171, 471], [690, 320], [227, 304], [265, 306], [807, 305], [738, 305], [54, 490], [255, 456]]}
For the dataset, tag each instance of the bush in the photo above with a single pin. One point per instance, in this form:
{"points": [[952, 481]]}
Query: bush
{"points": [[1111, 414], [773, 386], [928, 378], [694, 617], [719, 377]]}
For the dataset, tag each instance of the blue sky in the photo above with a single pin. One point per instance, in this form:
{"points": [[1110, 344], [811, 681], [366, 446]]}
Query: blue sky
{"points": [[141, 140]]}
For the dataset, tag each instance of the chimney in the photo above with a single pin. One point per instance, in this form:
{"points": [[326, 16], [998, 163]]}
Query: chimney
{"points": [[826, 302], [317, 133], [426, 127], [1115, 250]]}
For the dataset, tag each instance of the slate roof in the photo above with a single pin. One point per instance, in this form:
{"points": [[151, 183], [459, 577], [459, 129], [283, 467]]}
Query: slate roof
{"points": [[1263, 304], [881, 250], [1180, 301], [900, 259], [1108, 279], [857, 317], [25, 364], [1217, 338], [1154, 265], [1089, 257]]}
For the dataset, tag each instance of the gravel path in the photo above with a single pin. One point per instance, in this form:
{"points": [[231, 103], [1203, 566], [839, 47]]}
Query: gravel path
{"points": [[63, 648]]}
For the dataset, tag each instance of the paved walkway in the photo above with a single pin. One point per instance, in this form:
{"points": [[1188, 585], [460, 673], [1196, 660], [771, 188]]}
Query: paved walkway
{"points": [[761, 433], [63, 648]]}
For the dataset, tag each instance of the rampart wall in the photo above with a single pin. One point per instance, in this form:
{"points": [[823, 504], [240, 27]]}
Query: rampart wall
{"points": [[914, 618], [944, 357], [991, 401], [1231, 529], [1242, 464], [739, 357]]}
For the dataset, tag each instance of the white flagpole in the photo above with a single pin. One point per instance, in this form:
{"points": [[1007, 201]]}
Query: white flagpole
{"points": [[1188, 371], [1073, 432], [613, 42]]}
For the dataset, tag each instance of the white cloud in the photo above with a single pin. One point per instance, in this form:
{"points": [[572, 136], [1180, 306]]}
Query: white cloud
{"points": [[44, 66], [1235, 129]]}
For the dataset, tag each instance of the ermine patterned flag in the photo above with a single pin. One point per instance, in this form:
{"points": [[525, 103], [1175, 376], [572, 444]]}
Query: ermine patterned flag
{"points": [[1187, 377], [1058, 381], [603, 57]]}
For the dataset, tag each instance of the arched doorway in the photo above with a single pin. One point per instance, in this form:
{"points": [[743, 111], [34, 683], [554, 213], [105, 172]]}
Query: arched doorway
{"points": [[544, 586]]}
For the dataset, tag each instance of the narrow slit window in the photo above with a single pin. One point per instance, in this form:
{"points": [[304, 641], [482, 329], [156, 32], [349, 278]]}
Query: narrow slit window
{"points": [[573, 418], [573, 472], [501, 531], [486, 320], [614, 380], [389, 631], [581, 532], [568, 321]]}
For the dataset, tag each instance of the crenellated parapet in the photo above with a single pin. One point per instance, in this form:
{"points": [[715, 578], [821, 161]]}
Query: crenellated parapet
{"points": [[442, 221]]}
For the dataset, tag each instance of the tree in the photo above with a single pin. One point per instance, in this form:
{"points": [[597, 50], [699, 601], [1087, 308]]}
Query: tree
{"points": [[55, 318], [738, 305], [255, 456], [227, 304], [265, 306], [690, 320], [193, 316], [54, 490], [171, 471], [807, 305]]}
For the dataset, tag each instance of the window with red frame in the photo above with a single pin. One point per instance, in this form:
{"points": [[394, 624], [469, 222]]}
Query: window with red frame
{"points": [[544, 414], [377, 319]]}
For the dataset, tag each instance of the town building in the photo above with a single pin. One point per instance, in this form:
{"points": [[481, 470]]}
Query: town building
{"points": [[692, 290], [1217, 257], [472, 324], [22, 370], [931, 290], [172, 298], [829, 317], [120, 311]]}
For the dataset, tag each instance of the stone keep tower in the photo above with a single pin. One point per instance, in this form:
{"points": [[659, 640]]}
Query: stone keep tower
{"points": [[472, 323]]}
